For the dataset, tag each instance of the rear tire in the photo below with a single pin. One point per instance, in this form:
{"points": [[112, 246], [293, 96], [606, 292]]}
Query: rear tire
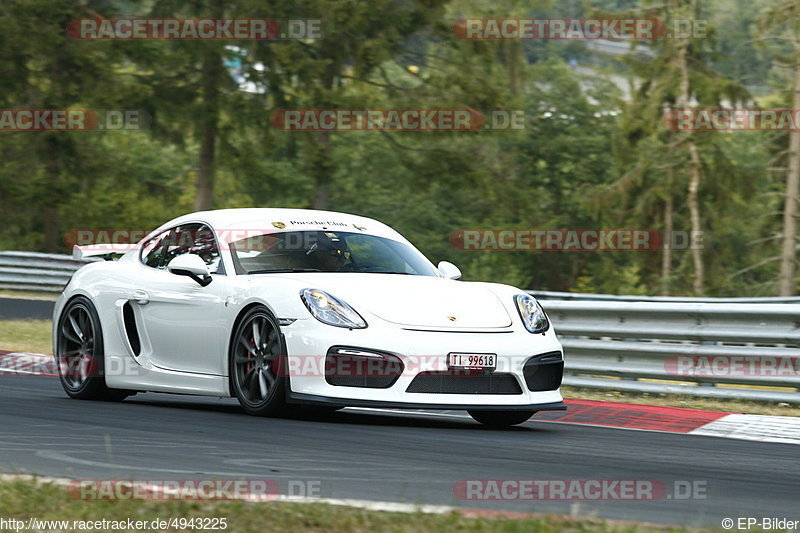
{"points": [[79, 353], [501, 419], [258, 369]]}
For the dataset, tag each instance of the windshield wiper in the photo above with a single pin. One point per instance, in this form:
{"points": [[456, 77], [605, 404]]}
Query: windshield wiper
{"points": [[283, 270]]}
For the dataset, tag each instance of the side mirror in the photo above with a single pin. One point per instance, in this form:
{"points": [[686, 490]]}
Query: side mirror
{"points": [[449, 270], [191, 265]]}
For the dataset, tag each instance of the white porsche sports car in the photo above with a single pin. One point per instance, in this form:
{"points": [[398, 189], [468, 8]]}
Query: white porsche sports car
{"points": [[285, 307]]}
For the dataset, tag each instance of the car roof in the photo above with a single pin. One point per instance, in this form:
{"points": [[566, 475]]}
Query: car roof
{"points": [[277, 220]]}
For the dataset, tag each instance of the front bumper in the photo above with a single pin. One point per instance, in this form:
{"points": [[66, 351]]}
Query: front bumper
{"points": [[308, 342], [323, 401]]}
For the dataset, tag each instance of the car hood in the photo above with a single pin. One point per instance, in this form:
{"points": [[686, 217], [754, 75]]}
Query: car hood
{"points": [[414, 301]]}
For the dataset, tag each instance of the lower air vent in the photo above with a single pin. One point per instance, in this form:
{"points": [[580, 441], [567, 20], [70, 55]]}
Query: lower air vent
{"points": [[356, 367], [544, 372], [130, 328], [464, 382]]}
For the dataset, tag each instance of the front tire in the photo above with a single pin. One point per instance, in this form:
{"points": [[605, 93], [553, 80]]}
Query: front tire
{"points": [[79, 354], [258, 364], [501, 419]]}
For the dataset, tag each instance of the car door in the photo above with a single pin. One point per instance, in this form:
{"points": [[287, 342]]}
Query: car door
{"points": [[182, 322]]}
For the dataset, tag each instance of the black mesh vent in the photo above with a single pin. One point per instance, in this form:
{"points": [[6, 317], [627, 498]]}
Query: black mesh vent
{"points": [[544, 372], [464, 382], [349, 370]]}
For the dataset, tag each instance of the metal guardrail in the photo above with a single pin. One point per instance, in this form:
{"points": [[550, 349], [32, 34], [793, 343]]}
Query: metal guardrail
{"points": [[722, 350], [636, 343], [625, 343], [551, 295], [30, 271]]}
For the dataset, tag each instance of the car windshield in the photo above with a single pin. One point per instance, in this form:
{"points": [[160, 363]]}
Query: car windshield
{"points": [[326, 251]]}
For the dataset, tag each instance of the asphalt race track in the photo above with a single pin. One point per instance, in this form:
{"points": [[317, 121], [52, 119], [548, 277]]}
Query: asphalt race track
{"points": [[414, 458], [19, 308]]}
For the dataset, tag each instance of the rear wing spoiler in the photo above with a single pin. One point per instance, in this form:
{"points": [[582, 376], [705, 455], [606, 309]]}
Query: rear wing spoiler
{"points": [[96, 250]]}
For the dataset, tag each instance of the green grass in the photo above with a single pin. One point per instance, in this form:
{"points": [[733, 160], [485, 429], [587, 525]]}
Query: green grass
{"points": [[26, 336], [34, 336], [23, 499], [28, 295]]}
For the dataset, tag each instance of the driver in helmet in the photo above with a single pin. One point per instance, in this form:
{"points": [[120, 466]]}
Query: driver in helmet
{"points": [[330, 253]]}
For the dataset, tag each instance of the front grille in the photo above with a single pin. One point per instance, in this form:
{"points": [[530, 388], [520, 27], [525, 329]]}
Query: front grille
{"points": [[544, 372], [464, 382]]}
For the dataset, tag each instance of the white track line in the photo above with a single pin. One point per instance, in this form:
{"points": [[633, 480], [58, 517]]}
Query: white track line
{"points": [[783, 429], [762, 428]]}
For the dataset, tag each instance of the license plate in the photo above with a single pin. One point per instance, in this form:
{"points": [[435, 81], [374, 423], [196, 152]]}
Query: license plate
{"points": [[472, 360]]}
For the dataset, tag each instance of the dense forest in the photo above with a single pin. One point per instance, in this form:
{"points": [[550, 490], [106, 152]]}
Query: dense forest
{"points": [[595, 151]]}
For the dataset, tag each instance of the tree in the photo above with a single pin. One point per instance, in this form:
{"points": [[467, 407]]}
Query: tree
{"points": [[185, 87], [783, 22], [656, 162], [50, 71], [357, 39]]}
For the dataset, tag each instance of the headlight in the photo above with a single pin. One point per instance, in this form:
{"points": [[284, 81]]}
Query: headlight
{"points": [[330, 310], [531, 313]]}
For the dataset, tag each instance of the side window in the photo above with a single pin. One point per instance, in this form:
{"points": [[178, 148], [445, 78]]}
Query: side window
{"points": [[189, 238], [156, 250]]}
